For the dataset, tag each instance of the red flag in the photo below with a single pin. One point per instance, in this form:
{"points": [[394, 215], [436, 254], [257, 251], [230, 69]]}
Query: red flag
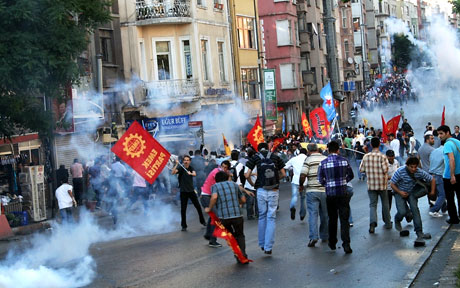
{"points": [[392, 125], [443, 118], [221, 232], [384, 130], [319, 122], [256, 136], [306, 126], [142, 152]]}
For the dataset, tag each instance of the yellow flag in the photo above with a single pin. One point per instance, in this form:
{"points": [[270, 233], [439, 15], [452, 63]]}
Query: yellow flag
{"points": [[227, 149]]}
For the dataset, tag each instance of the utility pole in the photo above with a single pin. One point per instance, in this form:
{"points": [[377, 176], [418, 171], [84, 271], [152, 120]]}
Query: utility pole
{"points": [[329, 27]]}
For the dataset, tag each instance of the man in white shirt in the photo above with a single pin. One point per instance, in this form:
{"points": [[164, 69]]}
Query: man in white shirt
{"points": [[412, 144], [296, 163], [65, 200], [395, 145]]}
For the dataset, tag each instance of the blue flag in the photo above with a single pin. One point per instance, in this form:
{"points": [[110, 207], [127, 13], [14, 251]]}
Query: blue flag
{"points": [[328, 102]]}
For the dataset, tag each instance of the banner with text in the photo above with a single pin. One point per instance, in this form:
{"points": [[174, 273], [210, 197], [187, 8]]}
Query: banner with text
{"points": [[271, 111]]}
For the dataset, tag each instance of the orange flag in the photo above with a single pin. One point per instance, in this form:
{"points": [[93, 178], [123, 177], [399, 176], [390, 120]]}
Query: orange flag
{"points": [[306, 126], [227, 148], [142, 152], [221, 232], [256, 136]]}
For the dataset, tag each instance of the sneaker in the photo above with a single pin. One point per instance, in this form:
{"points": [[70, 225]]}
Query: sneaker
{"points": [[269, 252], [422, 235], [372, 228], [449, 221], [435, 214], [351, 224], [419, 242], [302, 217], [214, 244], [398, 226], [332, 246], [347, 249], [292, 213], [312, 242], [389, 225], [184, 229], [204, 224]]}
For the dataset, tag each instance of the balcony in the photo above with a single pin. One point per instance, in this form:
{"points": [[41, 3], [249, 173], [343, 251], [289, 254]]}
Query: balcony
{"points": [[150, 12], [172, 91]]}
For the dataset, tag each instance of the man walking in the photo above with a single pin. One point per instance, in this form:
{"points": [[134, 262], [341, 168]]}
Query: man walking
{"points": [[65, 200], [296, 164], [316, 195], [270, 168], [436, 170], [186, 174], [333, 173], [425, 151], [226, 197], [395, 145], [375, 164], [404, 184], [451, 172]]}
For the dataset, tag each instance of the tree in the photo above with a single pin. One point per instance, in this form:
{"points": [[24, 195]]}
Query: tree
{"points": [[455, 6], [402, 51], [41, 40]]}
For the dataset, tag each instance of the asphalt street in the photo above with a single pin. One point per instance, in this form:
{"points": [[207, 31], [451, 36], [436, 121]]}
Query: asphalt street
{"points": [[183, 259]]}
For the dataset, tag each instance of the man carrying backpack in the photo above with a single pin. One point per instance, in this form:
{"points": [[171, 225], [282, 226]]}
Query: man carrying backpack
{"points": [[270, 169], [236, 167]]}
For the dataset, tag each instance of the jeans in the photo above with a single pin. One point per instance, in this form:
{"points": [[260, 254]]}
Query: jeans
{"points": [[66, 215], [236, 227], [184, 197], [403, 210], [451, 191], [350, 192], [205, 199], [77, 188], [295, 193], [267, 201], [358, 163], [339, 207], [251, 202], [373, 200], [441, 195], [316, 206]]}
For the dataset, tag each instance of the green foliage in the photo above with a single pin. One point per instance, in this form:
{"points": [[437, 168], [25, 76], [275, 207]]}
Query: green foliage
{"points": [[402, 51], [41, 39], [455, 6]]}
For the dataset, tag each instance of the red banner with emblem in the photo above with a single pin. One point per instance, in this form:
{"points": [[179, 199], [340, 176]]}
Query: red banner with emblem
{"points": [[278, 141], [142, 152], [319, 123], [256, 136], [221, 232], [306, 126]]}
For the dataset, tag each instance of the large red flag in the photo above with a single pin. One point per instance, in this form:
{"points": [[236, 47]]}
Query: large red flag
{"points": [[221, 232], [256, 136], [278, 141], [443, 119], [384, 130], [306, 126], [319, 122], [393, 124], [142, 152]]}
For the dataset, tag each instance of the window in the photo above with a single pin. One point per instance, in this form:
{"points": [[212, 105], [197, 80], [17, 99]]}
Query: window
{"points": [[288, 79], [319, 35], [201, 3], [305, 62], [302, 22], [249, 81], [297, 37], [220, 51], [246, 33], [344, 18], [308, 3], [187, 59], [356, 27], [163, 57], [346, 49], [205, 60], [105, 38], [143, 60], [283, 32]]}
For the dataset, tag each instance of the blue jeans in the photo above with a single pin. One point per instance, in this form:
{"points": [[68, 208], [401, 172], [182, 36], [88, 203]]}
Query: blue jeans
{"points": [[441, 200], [316, 205], [267, 201], [205, 199], [373, 200], [403, 210], [295, 193]]}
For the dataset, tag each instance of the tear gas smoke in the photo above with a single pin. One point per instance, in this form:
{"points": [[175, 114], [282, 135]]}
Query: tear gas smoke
{"points": [[436, 85]]}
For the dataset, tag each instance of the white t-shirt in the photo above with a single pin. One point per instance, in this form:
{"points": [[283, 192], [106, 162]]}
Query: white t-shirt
{"points": [[63, 197], [412, 144], [296, 163], [394, 145], [253, 178]]}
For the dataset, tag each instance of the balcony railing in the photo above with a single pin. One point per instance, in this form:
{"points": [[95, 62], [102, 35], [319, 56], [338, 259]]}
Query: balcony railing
{"points": [[172, 90], [155, 9]]}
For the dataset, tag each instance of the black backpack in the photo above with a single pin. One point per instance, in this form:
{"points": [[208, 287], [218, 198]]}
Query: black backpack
{"points": [[233, 171], [267, 173]]}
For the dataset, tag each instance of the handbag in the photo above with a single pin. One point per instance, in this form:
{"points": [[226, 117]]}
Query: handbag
{"points": [[421, 188]]}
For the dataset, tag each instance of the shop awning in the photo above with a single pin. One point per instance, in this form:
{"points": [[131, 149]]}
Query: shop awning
{"points": [[18, 139]]}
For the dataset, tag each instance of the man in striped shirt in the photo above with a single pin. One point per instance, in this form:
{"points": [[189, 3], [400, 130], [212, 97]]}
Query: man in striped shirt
{"points": [[316, 195], [375, 164], [404, 185], [334, 173]]}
